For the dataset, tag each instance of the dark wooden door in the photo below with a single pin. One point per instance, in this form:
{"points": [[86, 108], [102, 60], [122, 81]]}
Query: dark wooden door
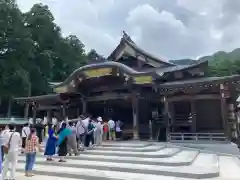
{"points": [[208, 116]]}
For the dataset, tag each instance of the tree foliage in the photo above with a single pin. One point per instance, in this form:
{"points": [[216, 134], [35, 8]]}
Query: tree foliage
{"points": [[219, 64], [33, 51], [223, 63]]}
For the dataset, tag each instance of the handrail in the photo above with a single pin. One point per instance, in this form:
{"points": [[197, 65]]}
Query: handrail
{"points": [[197, 136]]}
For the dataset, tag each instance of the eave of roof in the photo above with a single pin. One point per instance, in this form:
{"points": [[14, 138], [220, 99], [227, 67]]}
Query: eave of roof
{"points": [[48, 97], [180, 67], [200, 80], [113, 64], [143, 52], [127, 40]]}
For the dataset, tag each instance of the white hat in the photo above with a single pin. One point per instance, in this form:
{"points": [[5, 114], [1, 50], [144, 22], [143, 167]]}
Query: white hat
{"points": [[99, 119]]}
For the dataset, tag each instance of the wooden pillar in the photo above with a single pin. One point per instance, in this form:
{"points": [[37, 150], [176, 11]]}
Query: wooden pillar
{"points": [[194, 118], [9, 113], [172, 116], [224, 111], [64, 112], [27, 105], [166, 116], [135, 109], [84, 106], [78, 112], [26, 111], [49, 116], [34, 109]]}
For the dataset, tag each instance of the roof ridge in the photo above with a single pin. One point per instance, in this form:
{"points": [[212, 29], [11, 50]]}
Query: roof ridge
{"points": [[126, 37]]}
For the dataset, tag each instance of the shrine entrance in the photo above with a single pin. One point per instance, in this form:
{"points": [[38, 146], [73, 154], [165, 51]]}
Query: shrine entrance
{"points": [[114, 109], [158, 122]]}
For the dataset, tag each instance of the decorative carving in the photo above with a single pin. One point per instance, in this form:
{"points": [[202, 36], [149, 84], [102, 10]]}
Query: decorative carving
{"points": [[143, 80], [61, 89]]}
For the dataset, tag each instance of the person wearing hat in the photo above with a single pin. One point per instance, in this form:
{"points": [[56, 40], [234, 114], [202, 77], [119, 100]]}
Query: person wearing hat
{"points": [[99, 131]]}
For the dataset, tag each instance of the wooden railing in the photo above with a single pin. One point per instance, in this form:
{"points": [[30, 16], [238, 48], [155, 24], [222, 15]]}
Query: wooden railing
{"points": [[196, 136]]}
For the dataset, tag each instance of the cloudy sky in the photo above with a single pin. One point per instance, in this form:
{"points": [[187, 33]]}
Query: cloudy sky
{"points": [[171, 29]]}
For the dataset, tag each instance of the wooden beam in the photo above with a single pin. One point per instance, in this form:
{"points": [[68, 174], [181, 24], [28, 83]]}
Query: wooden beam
{"points": [[47, 107], [194, 97], [109, 96]]}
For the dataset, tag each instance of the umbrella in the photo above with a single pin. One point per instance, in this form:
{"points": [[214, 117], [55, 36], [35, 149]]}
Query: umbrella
{"points": [[63, 134]]}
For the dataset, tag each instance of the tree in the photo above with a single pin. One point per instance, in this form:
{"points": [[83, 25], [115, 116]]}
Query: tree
{"points": [[224, 64], [93, 56], [56, 57], [45, 35], [16, 48]]}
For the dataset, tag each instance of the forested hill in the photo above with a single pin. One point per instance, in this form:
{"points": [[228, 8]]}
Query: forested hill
{"points": [[220, 64]]}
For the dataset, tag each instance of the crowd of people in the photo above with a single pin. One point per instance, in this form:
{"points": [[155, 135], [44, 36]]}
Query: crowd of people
{"points": [[60, 139]]}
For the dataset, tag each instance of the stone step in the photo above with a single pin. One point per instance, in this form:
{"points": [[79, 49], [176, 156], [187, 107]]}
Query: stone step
{"points": [[113, 170], [229, 167], [183, 158], [131, 149], [134, 144], [165, 152], [20, 176]]}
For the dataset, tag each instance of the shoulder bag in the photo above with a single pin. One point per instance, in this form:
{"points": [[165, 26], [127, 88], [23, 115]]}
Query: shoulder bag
{"points": [[7, 147]]}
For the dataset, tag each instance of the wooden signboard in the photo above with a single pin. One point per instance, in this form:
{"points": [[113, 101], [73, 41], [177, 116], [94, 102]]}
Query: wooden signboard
{"points": [[98, 72], [143, 80], [61, 89]]}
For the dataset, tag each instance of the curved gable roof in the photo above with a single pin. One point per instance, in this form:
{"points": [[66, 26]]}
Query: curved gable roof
{"points": [[126, 40], [78, 72]]}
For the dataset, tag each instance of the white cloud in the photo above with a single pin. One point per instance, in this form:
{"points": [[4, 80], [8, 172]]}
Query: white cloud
{"points": [[173, 28]]}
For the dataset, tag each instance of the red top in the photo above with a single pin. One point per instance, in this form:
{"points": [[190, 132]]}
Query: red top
{"points": [[105, 127]]}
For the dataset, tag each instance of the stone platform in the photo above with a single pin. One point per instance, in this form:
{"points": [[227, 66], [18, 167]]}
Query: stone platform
{"points": [[137, 161]]}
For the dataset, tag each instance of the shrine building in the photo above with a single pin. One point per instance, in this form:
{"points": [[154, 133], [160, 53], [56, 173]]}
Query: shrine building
{"points": [[142, 90]]}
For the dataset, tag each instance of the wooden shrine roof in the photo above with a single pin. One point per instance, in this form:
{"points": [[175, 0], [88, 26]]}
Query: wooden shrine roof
{"points": [[160, 71], [126, 40], [41, 97], [202, 80], [79, 73]]}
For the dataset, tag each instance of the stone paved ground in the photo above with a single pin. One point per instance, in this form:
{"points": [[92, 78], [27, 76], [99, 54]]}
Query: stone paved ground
{"points": [[137, 161]]}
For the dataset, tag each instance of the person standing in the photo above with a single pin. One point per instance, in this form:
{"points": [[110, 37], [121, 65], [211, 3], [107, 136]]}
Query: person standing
{"points": [[72, 140], [99, 131], [119, 130], [95, 132], [50, 149], [39, 130], [81, 131], [62, 147], [12, 141], [105, 131], [6, 130], [25, 134], [111, 126], [89, 136], [32, 144]]}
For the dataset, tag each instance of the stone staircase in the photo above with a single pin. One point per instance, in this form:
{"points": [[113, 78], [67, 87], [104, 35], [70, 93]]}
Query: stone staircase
{"points": [[138, 161]]}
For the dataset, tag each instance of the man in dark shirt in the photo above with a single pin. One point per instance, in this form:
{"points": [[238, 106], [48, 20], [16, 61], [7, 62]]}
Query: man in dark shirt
{"points": [[89, 136], [39, 129]]}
